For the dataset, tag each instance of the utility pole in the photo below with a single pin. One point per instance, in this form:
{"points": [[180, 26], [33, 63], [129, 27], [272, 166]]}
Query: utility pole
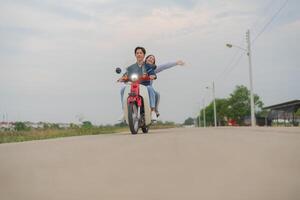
{"points": [[214, 100], [249, 54], [199, 118], [215, 109], [253, 123], [204, 118]]}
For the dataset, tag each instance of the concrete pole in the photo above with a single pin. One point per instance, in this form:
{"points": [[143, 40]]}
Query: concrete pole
{"points": [[199, 118], [251, 79], [215, 109], [204, 115]]}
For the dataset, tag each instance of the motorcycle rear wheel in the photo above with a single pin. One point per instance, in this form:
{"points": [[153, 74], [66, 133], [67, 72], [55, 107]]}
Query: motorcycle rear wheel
{"points": [[145, 129]]}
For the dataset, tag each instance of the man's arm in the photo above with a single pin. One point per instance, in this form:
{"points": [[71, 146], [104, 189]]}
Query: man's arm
{"points": [[124, 77]]}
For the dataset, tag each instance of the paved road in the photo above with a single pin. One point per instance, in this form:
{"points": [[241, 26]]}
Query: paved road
{"points": [[222, 163]]}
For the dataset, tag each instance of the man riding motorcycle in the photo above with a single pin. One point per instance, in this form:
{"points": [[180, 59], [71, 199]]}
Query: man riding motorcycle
{"points": [[140, 68]]}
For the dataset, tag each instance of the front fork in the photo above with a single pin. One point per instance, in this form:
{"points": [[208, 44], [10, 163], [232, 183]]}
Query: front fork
{"points": [[134, 97], [139, 112]]}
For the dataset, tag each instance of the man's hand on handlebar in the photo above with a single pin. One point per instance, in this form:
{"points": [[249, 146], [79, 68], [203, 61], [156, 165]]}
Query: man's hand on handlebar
{"points": [[123, 78], [145, 77]]}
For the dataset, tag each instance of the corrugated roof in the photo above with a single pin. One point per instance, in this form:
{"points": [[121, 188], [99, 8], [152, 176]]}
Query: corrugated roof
{"points": [[284, 105]]}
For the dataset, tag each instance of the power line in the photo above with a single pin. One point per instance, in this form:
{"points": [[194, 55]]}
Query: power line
{"points": [[232, 65], [236, 63], [265, 10], [270, 21], [228, 65]]}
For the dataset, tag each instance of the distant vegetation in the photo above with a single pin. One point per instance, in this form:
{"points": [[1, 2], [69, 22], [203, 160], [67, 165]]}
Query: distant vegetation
{"points": [[235, 107], [189, 121], [20, 126], [21, 132]]}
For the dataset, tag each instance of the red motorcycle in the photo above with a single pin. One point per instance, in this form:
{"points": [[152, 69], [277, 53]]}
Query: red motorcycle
{"points": [[136, 103]]}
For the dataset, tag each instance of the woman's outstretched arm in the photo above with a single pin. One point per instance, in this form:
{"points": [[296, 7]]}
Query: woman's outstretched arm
{"points": [[168, 65]]}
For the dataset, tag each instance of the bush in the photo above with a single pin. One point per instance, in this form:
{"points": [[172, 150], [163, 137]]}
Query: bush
{"points": [[20, 126], [87, 124]]}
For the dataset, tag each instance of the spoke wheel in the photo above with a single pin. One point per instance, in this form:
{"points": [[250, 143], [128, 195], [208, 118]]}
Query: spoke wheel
{"points": [[133, 118]]}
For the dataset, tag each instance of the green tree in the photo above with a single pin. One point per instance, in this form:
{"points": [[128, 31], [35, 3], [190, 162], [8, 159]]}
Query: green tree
{"points": [[237, 106], [87, 124], [297, 113], [46, 126], [54, 126], [74, 126], [189, 121], [209, 115], [239, 103], [21, 126], [222, 113]]}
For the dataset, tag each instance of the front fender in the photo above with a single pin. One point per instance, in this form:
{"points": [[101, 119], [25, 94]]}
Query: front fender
{"points": [[145, 95]]}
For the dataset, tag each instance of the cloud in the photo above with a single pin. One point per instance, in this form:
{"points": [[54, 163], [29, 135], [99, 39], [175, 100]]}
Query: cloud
{"points": [[62, 53]]}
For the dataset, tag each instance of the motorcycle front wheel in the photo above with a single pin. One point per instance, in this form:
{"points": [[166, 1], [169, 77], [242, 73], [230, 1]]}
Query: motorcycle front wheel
{"points": [[133, 120]]}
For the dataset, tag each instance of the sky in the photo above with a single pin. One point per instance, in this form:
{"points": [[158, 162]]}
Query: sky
{"points": [[58, 57]]}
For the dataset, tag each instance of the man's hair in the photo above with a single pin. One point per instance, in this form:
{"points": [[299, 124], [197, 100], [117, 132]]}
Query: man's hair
{"points": [[141, 48]]}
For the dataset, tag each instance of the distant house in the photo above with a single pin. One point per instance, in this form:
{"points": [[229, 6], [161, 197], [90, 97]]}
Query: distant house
{"points": [[34, 124], [189, 126], [7, 125], [64, 125]]}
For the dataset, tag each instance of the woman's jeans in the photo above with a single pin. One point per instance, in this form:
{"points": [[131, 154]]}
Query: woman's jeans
{"points": [[157, 99], [151, 93]]}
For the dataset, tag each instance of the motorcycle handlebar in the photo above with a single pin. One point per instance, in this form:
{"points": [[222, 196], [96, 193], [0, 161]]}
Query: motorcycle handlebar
{"points": [[145, 78], [141, 78]]}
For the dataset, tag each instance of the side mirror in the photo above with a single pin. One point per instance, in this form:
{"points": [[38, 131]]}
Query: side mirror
{"points": [[118, 70]]}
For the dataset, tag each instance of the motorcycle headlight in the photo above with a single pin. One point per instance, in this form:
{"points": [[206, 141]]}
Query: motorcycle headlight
{"points": [[134, 77]]}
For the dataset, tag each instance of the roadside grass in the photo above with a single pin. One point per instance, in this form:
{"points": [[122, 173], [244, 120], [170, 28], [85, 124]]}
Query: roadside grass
{"points": [[40, 134], [36, 134]]}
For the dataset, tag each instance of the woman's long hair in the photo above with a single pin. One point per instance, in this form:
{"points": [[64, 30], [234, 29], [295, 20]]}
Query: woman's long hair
{"points": [[154, 65]]}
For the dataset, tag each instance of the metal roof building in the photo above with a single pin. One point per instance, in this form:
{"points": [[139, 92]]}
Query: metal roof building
{"points": [[284, 113]]}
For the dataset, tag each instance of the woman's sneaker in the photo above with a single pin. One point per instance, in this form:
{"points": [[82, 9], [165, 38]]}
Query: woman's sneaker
{"points": [[153, 116], [157, 114]]}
